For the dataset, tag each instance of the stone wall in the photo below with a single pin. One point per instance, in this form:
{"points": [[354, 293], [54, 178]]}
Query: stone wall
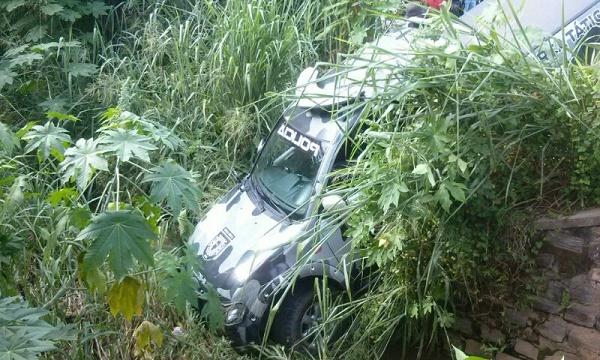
{"points": [[563, 319]]}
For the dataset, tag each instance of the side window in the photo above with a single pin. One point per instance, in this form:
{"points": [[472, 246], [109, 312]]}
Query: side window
{"points": [[350, 150], [352, 146], [341, 159], [588, 46]]}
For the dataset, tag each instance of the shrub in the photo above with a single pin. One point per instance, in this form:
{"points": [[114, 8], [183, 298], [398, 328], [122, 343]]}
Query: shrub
{"points": [[460, 152]]}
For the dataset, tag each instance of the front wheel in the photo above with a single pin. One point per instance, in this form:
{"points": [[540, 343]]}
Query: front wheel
{"points": [[298, 318]]}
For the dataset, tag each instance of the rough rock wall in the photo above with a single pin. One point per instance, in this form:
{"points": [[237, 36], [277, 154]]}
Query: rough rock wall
{"points": [[564, 318]]}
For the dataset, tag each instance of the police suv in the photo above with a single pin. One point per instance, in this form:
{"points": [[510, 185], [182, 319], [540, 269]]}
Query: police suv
{"points": [[250, 240]]}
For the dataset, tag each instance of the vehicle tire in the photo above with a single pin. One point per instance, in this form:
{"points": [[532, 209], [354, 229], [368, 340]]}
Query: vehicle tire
{"points": [[290, 324]]}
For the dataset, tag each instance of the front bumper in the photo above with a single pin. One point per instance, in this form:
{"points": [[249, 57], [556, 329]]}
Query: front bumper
{"points": [[246, 332], [245, 315]]}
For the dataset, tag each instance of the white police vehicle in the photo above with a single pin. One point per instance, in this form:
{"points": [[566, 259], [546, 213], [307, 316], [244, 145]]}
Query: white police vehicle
{"points": [[250, 239]]}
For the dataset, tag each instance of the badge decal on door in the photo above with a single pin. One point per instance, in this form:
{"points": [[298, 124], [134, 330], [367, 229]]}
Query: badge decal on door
{"points": [[218, 244]]}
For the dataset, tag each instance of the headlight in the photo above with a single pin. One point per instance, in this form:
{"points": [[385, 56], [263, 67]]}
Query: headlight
{"points": [[235, 314]]}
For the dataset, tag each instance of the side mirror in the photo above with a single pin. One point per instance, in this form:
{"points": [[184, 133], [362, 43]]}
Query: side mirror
{"points": [[333, 202], [261, 145]]}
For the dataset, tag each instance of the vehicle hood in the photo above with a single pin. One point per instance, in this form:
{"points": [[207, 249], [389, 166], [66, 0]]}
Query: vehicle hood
{"points": [[236, 237]]}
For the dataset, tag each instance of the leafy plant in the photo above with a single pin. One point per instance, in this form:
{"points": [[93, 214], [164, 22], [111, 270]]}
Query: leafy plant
{"points": [[47, 139], [120, 236], [126, 297], [8, 140], [127, 144], [24, 334], [454, 159], [212, 309], [9, 247], [147, 336], [189, 88], [459, 355], [174, 184], [81, 161]]}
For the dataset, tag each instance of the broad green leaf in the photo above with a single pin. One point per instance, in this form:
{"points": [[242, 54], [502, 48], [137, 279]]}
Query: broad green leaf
{"points": [[36, 33], [10, 245], [443, 198], [358, 35], [150, 210], [81, 161], [8, 140], [45, 46], [82, 69], [174, 184], [69, 15], [59, 196], [162, 134], [60, 116], [126, 297], [13, 4], [390, 195], [459, 355], [462, 165], [53, 44], [109, 114], [25, 59], [80, 217], [45, 138], [421, 169], [93, 278], [15, 51], [6, 77], [120, 236], [146, 336], [180, 288], [24, 334], [55, 104], [456, 190], [166, 262], [190, 257], [212, 309], [25, 129], [57, 155], [51, 8], [127, 144], [95, 8]]}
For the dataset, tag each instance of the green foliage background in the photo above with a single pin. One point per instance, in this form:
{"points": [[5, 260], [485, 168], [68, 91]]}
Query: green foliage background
{"points": [[122, 121]]}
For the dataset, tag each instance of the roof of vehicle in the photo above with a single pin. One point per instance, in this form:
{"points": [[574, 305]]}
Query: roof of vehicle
{"points": [[348, 79], [547, 16]]}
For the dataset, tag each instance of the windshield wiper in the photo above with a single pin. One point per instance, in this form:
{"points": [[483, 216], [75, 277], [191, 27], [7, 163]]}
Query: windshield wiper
{"points": [[260, 202], [268, 199]]}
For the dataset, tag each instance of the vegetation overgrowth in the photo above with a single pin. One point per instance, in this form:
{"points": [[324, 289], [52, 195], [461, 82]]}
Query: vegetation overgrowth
{"points": [[121, 122], [453, 163]]}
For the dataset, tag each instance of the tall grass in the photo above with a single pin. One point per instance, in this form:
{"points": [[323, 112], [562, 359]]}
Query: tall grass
{"points": [[201, 68], [209, 70], [458, 154], [470, 141]]}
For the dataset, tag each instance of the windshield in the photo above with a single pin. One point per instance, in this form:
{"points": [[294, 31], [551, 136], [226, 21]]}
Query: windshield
{"points": [[286, 169]]}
